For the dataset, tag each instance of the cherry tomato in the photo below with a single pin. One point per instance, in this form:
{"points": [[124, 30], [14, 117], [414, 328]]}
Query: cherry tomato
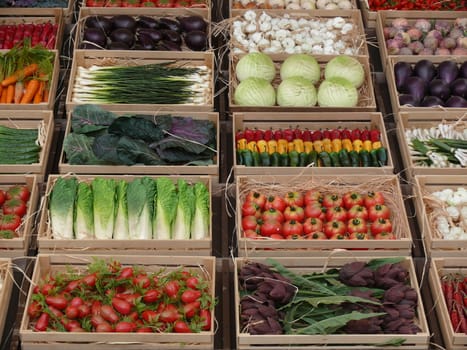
{"points": [[181, 327], [121, 305], [108, 313], [205, 316], [190, 295], [151, 296], [56, 301]]}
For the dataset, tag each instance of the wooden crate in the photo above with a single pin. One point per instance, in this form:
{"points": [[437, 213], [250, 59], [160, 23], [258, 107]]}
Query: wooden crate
{"points": [[281, 184], [384, 19], [368, 16], [42, 120], [332, 341], [135, 12], [52, 92], [18, 247], [6, 274], [47, 244], [67, 12], [435, 245], [64, 167], [438, 268], [356, 36], [411, 120], [46, 264], [141, 5], [83, 58], [54, 16], [394, 95], [311, 121], [266, 5], [366, 103]]}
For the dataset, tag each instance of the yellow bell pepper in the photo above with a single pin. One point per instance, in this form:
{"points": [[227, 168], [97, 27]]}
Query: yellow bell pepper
{"points": [[318, 145], [367, 145], [298, 145], [252, 146], [357, 145], [282, 146], [347, 145], [336, 145], [327, 146], [272, 146], [376, 145], [241, 144], [262, 146], [290, 146], [308, 145]]}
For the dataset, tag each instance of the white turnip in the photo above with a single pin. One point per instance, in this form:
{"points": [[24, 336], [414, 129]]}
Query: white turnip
{"points": [[423, 25]]}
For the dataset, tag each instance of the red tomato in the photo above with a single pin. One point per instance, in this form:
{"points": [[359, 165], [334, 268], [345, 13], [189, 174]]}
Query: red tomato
{"points": [[338, 236], [352, 198], [336, 213], [55, 312], [357, 226], [142, 281], [205, 317], [104, 327], [72, 312], [126, 272], [144, 330], [149, 315], [251, 209], [294, 213], [42, 322], [121, 305], [10, 222], [164, 3], [373, 198], [192, 282], [294, 198], [332, 200], [70, 324], [129, 297], [19, 191], [169, 314], [380, 225], [97, 320], [311, 225], [317, 235], [292, 229], [76, 301], [96, 307], [358, 211], [171, 288], [125, 327], [276, 236], [276, 202], [2, 197], [89, 280], [72, 285], [151, 296], [108, 313], [332, 228], [84, 310], [255, 197], [385, 235], [34, 310], [47, 288], [190, 295], [191, 309], [312, 196], [315, 210], [269, 228], [272, 214], [378, 211], [251, 234], [182, 327], [250, 222], [15, 206], [358, 236], [57, 301]]}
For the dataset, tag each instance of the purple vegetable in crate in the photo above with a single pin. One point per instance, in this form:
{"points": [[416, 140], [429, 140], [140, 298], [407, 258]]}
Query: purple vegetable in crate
{"points": [[100, 22], [124, 21], [423, 25], [356, 274], [414, 34], [439, 88], [425, 69], [448, 71], [95, 36], [402, 70], [416, 47], [456, 102], [459, 87], [416, 87], [400, 23], [408, 100], [443, 26], [463, 70], [389, 275]]}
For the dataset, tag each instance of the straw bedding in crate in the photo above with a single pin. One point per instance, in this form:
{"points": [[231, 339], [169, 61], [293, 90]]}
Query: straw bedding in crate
{"points": [[280, 185], [6, 285]]}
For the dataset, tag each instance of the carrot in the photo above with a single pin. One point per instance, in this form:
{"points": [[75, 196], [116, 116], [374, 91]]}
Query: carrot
{"points": [[31, 90], [45, 97], [3, 96], [20, 74], [10, 94], [40, 92], [19, 91]]}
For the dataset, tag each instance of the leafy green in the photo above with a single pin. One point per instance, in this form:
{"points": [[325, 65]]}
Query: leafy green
{"points": [[179, 150], [61, 207], [136, 128], [132, 152], [165, 208], [185, 206], [333, 300], [78, 149], [88, 118], [121, 228], [198, 131], [104, 147], [333, 324], [202, 212], [140, 198], [104, 207], [84, 215]]}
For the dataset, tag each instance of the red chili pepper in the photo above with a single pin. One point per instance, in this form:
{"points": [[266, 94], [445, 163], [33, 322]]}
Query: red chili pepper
{"points": [[449, 290], [249, 134], [459, 308], [365, 134], [316, 135], [326, 134], [268, 134], [239, 135], [306, 135], [454, 316], [278, 135], [259, 135], [375, 135], [288, 134], [356, 134], [464, 296]]}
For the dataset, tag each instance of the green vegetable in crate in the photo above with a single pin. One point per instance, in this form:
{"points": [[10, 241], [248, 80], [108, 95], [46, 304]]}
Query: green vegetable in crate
{"points": [[62, 207], [121, 227], [19, 146], [84, 212], [185, 211], [165, 208], [104, 207], [202, 214], [141, 194]]}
